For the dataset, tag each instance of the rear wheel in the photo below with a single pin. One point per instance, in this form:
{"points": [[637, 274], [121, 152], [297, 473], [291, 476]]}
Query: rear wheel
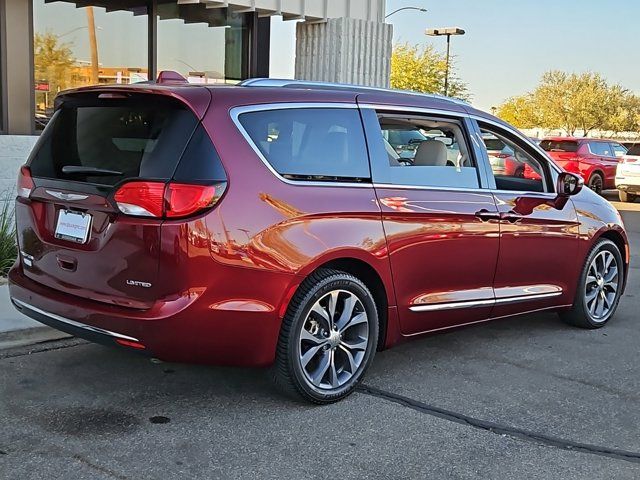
{"points": [[626, 197], [328, 337], [600, 287], [596, 183]]}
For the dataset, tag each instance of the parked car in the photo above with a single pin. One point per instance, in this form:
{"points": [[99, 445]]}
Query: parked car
{"points": [[501, 157], [269, 224], [628, 174], [595, 160]]}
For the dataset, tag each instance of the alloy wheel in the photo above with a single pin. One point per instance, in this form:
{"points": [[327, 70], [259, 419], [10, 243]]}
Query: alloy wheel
{"points": [[596, 184], [333, 340], [601, 286]]}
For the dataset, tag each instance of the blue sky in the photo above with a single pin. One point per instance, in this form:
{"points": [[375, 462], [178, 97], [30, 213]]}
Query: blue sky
{"points": [[510, 43]]}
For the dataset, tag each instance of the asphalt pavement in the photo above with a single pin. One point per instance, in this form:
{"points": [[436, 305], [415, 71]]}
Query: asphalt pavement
{"points": [[517, 398]]}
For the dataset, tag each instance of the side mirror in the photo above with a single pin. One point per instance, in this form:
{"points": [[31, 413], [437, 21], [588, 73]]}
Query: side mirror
{"points": [[569, 184]]}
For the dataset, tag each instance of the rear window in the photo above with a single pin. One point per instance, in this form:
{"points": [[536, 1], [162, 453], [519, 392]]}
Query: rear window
{"points": [[634, 150], [323, 144], [559, 146], [108, 141]]}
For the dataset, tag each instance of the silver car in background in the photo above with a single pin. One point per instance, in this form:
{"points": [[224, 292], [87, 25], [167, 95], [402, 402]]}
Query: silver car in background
{"points": [[628, 174]]}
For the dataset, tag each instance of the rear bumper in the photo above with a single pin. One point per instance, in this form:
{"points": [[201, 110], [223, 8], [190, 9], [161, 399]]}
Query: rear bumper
{"points": [[182, 329]]}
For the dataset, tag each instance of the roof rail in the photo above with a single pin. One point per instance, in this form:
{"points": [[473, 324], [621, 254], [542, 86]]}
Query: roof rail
{"points": [[288, 83]]}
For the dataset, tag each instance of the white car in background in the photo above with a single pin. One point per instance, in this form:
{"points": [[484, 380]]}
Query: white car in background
{"points": [[628, 174]]}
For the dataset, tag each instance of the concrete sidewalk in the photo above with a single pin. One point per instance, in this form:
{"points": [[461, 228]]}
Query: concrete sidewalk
{"points": [[17, 329]]}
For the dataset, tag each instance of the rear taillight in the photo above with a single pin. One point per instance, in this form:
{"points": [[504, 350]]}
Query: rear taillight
{"points": [[25, 182], [145, 199], [629, 159], [170, 200]]}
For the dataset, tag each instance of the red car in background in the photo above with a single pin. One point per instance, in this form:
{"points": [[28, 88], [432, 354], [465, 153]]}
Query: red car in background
{"points": [[595, 160]]}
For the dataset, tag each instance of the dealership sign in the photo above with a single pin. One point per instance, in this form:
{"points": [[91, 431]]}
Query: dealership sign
{"points": [[42, 86]]}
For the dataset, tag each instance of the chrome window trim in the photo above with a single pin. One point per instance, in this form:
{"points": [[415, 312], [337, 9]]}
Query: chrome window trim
{"points": [[395, 186], [482, 303], [235, 113], [73, 323], [407, 109]]}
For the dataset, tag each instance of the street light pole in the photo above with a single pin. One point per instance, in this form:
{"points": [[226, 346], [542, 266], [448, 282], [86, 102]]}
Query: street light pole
{"points": [[446, 32], [405, 8]]}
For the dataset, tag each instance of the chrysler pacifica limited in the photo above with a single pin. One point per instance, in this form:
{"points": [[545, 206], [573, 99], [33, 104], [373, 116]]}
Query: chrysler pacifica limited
{"points": [[272, 224]]}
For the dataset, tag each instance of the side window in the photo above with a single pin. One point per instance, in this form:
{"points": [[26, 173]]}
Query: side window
{"points": [[618, 150], [602, 149], [423, 151], [513, 168], [319, 144]]}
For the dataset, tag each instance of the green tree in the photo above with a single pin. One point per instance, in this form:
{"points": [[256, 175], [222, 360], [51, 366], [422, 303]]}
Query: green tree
{"points": [[423, 69], [572, 102], [52, 62]]}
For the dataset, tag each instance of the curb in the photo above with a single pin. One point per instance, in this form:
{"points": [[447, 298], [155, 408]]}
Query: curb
{"points": [[30, 336]]}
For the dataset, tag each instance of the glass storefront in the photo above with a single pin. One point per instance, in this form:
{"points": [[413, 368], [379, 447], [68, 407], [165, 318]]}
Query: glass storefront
{"points": [[75, 47], [79, 43], [205, 45]]}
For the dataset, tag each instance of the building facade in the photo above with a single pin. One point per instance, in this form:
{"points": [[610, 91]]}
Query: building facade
{"points": [[47, 46]]}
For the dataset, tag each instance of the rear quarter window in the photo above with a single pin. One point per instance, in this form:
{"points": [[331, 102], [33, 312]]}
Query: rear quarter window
{"points": [[320, 144]]}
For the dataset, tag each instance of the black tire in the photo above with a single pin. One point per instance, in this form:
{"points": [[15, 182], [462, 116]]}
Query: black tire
{"points": [[596, 183], [579, 315], [626, 197], [289, 374]]}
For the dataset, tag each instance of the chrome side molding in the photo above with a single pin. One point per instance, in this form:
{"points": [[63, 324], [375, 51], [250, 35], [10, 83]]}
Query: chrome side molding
{"points": [[482, 303]]}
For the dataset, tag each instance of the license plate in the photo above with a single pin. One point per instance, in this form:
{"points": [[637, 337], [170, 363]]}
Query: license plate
{"points": [[73, 226]]}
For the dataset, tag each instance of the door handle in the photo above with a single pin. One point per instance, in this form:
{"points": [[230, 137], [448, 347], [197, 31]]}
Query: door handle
{"points": [[511, 216], [485, 215]]}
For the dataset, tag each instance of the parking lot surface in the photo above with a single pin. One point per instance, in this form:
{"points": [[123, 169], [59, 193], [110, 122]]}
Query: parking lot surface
{"points": [[517, 398]]}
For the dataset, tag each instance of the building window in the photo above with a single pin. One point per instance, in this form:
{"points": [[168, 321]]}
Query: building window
{"points": [[75, 47], [206, 45]]}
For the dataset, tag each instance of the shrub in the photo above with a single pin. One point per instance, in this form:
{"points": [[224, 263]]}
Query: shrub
{"points": [[8, 247]]}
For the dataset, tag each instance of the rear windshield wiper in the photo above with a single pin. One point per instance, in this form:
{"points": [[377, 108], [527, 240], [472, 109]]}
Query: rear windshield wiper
{"points": [[95, 171]]}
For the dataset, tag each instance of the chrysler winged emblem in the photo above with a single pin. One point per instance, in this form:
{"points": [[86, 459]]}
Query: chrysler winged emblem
{"points": [[66, 196]]}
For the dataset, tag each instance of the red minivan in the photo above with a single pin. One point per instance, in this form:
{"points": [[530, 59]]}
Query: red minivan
{"points": [[269, 224]]}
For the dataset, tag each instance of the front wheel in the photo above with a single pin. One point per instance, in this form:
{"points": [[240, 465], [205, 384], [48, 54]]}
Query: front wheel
{"points": [[600, 287], [328, 337], [626, 197], [596, 183]]}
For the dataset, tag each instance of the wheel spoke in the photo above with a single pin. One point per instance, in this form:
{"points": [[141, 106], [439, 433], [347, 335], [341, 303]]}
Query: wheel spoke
{"points": [[359, 344], [592, 303], [591, 279], [332, 304], [333, 374], [591, 295], [359, 319], [307, 336], [350, 359], [611, 274], [320, 372], [309, 354], [347, 311], [599, 306], [607, 261]]}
